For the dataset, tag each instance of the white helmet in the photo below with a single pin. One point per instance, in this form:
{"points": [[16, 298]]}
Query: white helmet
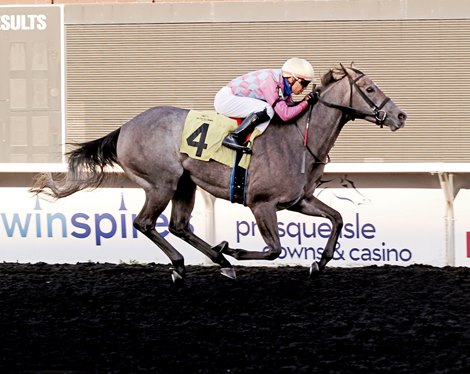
{"points": [[298, 68]]}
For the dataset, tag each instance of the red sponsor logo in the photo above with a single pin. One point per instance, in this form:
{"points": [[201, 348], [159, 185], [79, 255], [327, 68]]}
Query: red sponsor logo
{"points": [[468, 244]]}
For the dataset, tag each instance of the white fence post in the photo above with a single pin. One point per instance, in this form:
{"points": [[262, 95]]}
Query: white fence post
{"points": [[447, 185]]}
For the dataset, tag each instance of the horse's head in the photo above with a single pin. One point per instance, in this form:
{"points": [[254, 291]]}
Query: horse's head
{"points": [[366, 99]]}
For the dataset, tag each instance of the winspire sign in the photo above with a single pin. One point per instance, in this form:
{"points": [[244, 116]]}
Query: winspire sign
{"points": [[88, 226]]}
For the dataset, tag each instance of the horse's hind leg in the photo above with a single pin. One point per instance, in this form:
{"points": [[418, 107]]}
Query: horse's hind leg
{"points": [[266, 219], [182, 206], [145, 223]]}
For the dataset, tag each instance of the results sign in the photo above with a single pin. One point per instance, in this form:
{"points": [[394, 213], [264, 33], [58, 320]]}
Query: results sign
{"points": [[31, 87]]}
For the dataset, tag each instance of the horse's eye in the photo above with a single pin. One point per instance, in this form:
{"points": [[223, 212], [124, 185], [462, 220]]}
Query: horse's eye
{"points": [[370, 89]]}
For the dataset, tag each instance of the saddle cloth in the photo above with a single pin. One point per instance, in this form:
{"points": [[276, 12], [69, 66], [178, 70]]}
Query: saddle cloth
{"points": [[203, 134]]}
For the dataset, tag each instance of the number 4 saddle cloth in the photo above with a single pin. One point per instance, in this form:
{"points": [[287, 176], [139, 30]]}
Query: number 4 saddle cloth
{"points": [[203, 134]]}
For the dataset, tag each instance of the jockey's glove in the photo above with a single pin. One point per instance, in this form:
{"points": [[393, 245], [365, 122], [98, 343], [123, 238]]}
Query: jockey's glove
{"points": [[311, 98]]}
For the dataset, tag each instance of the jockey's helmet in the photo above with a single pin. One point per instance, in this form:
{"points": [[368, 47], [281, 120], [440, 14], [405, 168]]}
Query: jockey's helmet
{"points": [[298, 68]]}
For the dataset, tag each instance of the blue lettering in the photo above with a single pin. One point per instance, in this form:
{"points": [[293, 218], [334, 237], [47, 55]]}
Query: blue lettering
{"points": [[368, 231], [347, 231], [389, 251], [405, 255], [85, 227], [50, 219], [99, 233], [352, 254], [293, 253], [135, 232], [38, 226], [315, 253], [243, 229], [307, 234], [302, 231], [295, 233], [324, 230], [123, 226], [16, 223], [376, 256], [380, 254], [281, 230]]}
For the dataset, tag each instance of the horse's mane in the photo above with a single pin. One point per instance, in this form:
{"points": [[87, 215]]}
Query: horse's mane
{"points": [[335, 74]]}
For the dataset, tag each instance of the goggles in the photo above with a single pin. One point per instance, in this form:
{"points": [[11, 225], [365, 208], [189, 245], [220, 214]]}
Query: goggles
{"points": [[303, 82]]}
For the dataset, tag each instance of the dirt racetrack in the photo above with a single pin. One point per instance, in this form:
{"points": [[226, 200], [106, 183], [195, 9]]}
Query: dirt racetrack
{"points": [[104, 318]]}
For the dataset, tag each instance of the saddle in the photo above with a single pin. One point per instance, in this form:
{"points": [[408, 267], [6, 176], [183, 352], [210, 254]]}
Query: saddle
{"points": [[202, 137]]}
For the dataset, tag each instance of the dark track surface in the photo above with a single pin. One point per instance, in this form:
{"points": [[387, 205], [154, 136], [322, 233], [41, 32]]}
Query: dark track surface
{"points": [[103, 318]]}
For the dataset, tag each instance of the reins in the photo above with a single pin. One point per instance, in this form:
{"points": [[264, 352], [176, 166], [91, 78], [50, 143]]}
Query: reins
{"points": [[306, 147]]}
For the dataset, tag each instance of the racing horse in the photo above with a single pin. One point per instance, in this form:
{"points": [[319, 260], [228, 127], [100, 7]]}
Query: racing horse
{"points": [[286, 166]]}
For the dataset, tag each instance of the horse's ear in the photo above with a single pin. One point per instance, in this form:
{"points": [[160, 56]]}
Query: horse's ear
{"points": [[354, 68]]}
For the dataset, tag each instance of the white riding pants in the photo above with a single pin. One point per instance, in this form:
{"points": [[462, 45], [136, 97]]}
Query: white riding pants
{"points": [[230, 105]]}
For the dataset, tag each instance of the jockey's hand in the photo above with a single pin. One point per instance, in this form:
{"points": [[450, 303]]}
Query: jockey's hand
{"points": [[311, 98]]}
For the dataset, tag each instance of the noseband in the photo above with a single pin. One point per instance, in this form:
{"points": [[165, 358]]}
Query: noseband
{"points": [[352, 113]]}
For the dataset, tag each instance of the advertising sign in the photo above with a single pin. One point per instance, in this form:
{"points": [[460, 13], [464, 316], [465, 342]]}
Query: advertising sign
{"points": [[381, 227], [87, 226]]}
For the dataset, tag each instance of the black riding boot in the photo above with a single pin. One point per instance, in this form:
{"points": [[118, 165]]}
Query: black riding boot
{"points": [[236, 139]]}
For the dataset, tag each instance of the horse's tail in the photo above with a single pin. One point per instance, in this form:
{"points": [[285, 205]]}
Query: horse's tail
{"points": [[86, 166]]}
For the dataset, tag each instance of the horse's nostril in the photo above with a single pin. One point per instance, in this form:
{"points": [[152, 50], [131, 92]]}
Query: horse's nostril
{"points": [[402, 116]]}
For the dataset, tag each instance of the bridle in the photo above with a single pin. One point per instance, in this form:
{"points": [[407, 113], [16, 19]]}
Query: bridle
{"points": [[351, 113]]}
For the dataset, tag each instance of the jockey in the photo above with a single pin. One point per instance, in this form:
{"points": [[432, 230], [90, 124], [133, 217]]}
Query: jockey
{"points": [[258, 95]]}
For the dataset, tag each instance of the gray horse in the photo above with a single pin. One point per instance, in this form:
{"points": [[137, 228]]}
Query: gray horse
{"points": [[287, 163]]}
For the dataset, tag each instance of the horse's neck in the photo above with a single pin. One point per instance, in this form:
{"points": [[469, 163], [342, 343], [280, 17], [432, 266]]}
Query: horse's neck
{"points": [[323, 128], [326, 123]]}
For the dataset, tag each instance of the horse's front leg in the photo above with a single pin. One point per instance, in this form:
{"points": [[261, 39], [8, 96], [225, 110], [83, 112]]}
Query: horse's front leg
{"points": [[315, 207]]}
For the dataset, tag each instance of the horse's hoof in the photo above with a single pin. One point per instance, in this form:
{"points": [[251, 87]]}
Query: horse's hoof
{"points": [[229, 273], [176, 277], [314, 270], [177, 273], [221, 248]]}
